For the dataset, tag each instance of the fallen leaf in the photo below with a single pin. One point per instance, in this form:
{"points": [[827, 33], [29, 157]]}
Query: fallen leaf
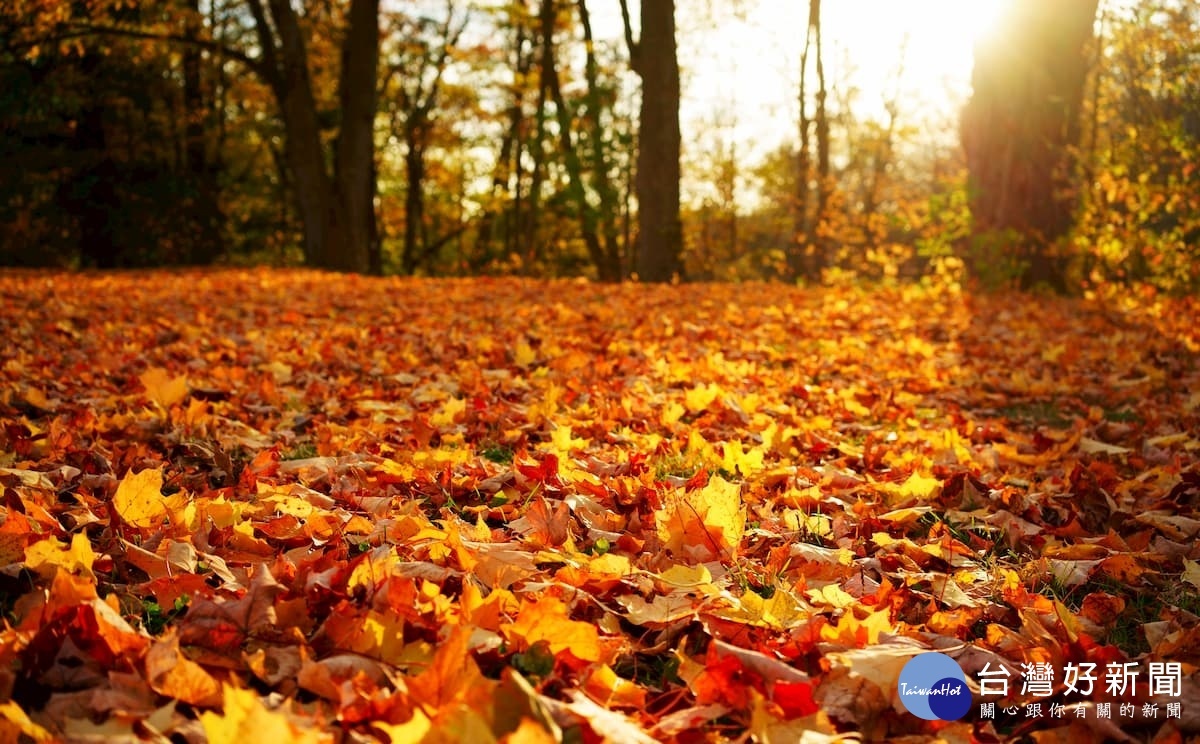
{"points": [[139, 500]]}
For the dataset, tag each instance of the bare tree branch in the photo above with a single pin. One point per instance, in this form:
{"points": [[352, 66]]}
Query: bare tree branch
{"points": [[82, 30], [633, 46]]}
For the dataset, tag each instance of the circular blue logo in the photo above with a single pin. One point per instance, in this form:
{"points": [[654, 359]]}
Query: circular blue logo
{"points": [[932, 686]]}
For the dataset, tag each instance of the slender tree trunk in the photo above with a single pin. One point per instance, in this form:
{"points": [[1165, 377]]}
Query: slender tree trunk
{"points": [[510, 143], [1019, 128], [530, 223], [611, 269], [585, 212], [660, 231], [804, 258], [821, 247], [414, 197]]}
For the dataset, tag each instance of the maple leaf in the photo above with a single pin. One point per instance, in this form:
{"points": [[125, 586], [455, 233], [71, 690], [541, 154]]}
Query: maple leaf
{"points": [[223, 624], [451, 677], [164, 390], [606, 688], [15, 723], [243, 717], [172, 674], [703, 525], [545, 528], [46, 556], [138, 500], [546, 620]]}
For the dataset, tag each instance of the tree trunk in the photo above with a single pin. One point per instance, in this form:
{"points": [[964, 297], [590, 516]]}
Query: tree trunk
{"points": [[510, 147], [660, 232], [205, 208], [414, 196], [1019, 128], [292, 85], [809, 252], [578, 192], [337, 212], [355, 153], [821, 249], [612, 268]]}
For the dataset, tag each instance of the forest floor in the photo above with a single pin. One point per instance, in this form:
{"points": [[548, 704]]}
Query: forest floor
{"points": [[302, 506]]}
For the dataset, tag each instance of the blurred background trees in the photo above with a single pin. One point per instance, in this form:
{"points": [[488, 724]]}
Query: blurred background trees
{"points": [[545, 137]]}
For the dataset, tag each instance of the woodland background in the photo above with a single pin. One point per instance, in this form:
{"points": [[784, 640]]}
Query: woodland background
{"points": [[466, 137], [289, 504]]}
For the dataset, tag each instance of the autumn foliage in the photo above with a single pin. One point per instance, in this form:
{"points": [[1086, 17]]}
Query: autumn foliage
{"points": [[291, 505]]}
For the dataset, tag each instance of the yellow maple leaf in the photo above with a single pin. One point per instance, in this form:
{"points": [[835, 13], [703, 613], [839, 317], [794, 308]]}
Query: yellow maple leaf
{"points": [[163, 389], [546, 620], [529, 731], [705, 524], [562, 443], [831, 595], [701, 397], [662, 610], [245, 718], [851, 631], [605, 687], [781, 610], [737, 460], [139, 499], [524, 355], [685, 577], [412, 730], [47, 555], [449, 412], [671, 413], [919, 487]]}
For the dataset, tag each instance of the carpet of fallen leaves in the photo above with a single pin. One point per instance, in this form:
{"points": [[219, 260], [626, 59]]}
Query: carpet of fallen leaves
{"points": [[298, 506]]}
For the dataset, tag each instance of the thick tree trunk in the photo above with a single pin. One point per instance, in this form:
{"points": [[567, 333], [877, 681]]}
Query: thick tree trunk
{"points": [[355, 153], [206, 211], [311, 184], [337, 212], [660, 232], [1020, 125]]}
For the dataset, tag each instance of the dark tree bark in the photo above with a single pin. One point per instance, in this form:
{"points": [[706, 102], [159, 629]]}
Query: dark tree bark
{"points": [[354, 162], [1020, 125], [201, 173], [336, 210], [660, 232], [91, 194]]}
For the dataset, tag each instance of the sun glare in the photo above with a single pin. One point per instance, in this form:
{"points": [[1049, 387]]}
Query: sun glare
{"points": [[744, 70], [920, 47]]}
